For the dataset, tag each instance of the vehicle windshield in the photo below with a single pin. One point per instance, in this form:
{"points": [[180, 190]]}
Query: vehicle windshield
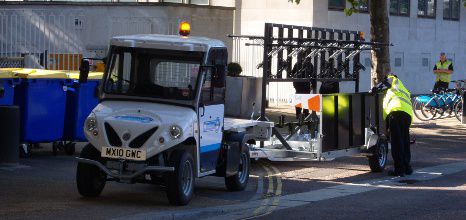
{"points": [[161, 74]]}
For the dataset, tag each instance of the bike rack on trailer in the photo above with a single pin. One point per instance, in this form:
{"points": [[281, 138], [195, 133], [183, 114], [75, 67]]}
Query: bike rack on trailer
{"points": [[339, 126]]}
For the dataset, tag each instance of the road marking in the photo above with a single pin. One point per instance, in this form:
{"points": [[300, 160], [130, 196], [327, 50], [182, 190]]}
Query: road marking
{"points": [[243, 210], [259, 189], [266, 201], [266, 207]]}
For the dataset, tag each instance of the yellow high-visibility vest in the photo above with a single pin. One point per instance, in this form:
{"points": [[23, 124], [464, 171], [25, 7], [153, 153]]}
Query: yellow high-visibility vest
{"points": [[444, 76], [397, 98]]}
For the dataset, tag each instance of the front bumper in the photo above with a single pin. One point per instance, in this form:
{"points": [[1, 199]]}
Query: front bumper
{"points": [[125, 176]]}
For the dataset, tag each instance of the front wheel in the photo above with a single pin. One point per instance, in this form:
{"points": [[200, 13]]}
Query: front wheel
{"points": [[180, 183], [239, 181], [90, 179], [458, 110], [379, 157]]}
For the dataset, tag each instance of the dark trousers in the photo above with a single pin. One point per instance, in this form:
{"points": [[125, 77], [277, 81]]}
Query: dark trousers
{"points": [[398, 123], [299, 110], [440, 85]]}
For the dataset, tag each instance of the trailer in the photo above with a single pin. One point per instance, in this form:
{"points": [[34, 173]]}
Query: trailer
{"points": [[339, 124]]}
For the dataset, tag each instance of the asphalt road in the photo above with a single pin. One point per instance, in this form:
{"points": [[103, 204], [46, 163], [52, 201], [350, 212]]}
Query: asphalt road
{"points": [[44, 188]]}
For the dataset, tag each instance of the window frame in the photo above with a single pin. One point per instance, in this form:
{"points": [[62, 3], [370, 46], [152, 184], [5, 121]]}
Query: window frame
{"points": [[450, 18], [336, 8], [398, 11], [211, 93], [425, 9]]}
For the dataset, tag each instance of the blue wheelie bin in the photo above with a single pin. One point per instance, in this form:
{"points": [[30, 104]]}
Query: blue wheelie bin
{"points": [[41, 96], [8, 81], [81, 99]]}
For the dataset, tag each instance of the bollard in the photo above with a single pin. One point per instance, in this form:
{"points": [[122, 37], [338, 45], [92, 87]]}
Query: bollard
{"points": [[9, 134], [463, 118]]}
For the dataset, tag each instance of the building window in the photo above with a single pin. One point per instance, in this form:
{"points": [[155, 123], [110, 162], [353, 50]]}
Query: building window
{"points": [[425, 62], [451, 9], [399, 7], [336, 4], [427, 8]]}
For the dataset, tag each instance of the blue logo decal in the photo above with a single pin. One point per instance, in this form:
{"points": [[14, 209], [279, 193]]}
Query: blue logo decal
{"points": [[213, 125], [143, 120]]}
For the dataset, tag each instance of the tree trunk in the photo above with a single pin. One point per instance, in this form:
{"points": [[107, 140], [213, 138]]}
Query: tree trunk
{"points": [[379, 33]]}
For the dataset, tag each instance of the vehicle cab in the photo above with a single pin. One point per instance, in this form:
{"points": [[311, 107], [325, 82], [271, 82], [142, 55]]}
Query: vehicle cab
{"points": [[161, 118]]}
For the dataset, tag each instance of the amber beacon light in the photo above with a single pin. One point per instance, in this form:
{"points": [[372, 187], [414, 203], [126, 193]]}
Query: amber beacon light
{"points": [[185, 28]]}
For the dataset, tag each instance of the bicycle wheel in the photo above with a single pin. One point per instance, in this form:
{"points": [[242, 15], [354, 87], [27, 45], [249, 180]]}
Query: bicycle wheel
{"points": [[417, 109], [429, 110], [459, 110]]}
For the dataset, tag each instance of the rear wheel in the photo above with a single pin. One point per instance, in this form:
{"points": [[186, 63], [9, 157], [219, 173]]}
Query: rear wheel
{"points": [[90, 179], [180, 183], [379, 157], [239, 181]]}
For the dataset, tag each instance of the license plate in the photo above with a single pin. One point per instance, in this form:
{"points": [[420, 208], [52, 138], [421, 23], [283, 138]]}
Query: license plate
{"points": [[123, 153]]}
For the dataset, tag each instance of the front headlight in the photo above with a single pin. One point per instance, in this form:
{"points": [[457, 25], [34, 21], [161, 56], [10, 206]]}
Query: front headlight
{"points": [[91, 124], [175, 131]]}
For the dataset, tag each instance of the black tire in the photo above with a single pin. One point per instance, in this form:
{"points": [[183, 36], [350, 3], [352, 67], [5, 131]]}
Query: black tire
{"points": [[90, 179], [25, 150], [239, 181], [458, 108], [379, 157], [418, 111], [180, 183], [429, 112], [70, 148]]}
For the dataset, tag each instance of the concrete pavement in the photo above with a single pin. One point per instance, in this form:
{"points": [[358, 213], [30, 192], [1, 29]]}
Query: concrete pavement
{"points": [[44, 187]]}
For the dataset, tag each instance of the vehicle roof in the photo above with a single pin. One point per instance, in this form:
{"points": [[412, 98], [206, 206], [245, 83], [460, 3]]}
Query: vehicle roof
{"points": [[167, 42]]}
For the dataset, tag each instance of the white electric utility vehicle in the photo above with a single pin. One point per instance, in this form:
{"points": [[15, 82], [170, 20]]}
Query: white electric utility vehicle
{"points": [[161, 119]]}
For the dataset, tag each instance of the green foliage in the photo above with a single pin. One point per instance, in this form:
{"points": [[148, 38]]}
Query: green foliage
{"points": [[234, 69], [354, 5]]}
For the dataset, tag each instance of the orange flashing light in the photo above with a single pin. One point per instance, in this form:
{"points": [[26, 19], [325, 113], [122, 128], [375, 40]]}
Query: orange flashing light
{"points": [[185, 28], [361, 35]]}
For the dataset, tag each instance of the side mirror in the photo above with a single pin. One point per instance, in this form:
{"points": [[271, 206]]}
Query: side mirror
{"points": [[218, 76], [84, 71]]}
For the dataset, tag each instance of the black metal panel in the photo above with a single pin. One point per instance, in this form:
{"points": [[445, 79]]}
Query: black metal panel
{"points": [[343, 103], [329, 123], [369, 110], [357, 111]]}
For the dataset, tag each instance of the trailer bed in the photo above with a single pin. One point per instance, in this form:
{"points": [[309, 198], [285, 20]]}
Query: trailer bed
{"points": [[239, 125]]}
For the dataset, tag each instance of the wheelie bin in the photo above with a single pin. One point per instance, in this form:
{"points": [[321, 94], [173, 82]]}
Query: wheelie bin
{"points": [[81, 99], [8, 81], [41, 96]]}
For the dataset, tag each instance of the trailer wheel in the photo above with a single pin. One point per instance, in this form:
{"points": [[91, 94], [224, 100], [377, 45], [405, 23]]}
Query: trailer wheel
{"points": [[70, 148], [180, 183], [379, 157], [239, 181], [90, 179]]}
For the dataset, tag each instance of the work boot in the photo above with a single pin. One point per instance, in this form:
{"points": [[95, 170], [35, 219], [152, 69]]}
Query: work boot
{"points": [[394, 173], [409, 170]]}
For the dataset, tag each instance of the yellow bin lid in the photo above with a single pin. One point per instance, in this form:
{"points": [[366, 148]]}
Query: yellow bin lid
{"points": [[8, 72], [40, 74], [92, 75]]}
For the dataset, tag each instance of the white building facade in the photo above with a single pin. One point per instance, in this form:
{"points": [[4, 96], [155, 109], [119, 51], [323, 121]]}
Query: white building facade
{"points": [[419, 30]]}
